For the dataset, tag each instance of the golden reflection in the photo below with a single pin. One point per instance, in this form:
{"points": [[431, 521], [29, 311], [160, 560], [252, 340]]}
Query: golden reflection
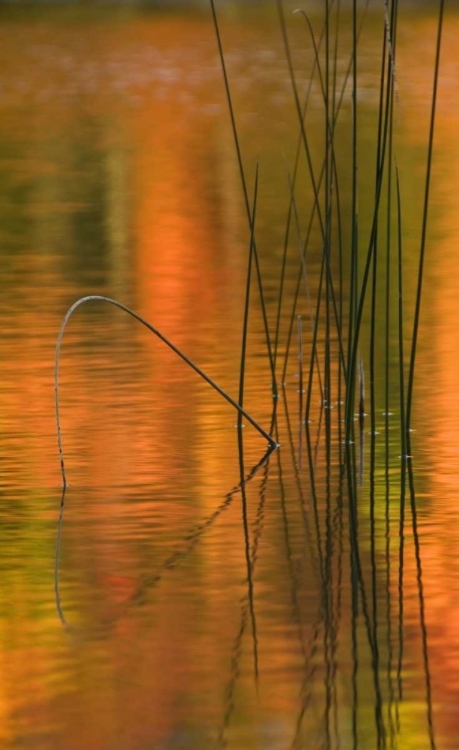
{"points": [[437, 384]]}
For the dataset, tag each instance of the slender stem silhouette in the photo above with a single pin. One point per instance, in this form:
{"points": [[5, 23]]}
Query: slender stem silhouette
{"points": [[165, 340]]}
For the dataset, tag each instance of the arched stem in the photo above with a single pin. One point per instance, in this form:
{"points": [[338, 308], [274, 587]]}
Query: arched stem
{"points": [[165, 340]]}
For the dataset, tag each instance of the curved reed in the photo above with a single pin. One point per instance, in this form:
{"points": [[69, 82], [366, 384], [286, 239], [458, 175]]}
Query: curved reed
{"points": [[100, 298]]}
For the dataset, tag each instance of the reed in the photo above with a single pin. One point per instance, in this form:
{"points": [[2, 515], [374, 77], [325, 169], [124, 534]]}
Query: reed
{"points": [[246, 198], [100, 298], [425, 213], [245, 325]]}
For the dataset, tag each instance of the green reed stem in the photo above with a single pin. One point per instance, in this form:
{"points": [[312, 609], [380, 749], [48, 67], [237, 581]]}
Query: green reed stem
{"points": [[401, 357], [374, 285], [314, 355], [246, 195], [337, 109], [289, 215], [351, 358], [417, 313], [328, 171], [247, 302], [368, 262]]}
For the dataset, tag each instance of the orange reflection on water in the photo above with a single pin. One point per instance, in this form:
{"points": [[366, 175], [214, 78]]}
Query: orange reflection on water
{"points": [[133, 416], [436, 399]]}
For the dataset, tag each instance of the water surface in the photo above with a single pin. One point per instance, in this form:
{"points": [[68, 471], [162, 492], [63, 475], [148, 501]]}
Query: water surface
{"points": [[203, 600]]}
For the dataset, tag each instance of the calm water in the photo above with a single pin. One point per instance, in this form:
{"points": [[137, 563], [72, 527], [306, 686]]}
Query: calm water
{"points": [[192, 609]]}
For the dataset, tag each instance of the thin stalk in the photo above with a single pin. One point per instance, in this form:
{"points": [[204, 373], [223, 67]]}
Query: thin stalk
{"points": [[314, 207], [246, 194], [290, 208], [245, 325], [296, 97], [363, 290], [165, 340], [417, 313], [306, 282], [328, 172], [374, 285], [401, 357], [300, 390], [387, 515], [301, 274], [354, 232], [404, 451]]}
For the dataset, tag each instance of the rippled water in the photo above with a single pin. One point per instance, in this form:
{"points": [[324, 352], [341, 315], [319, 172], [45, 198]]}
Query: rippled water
{"points": [[201, 597]]}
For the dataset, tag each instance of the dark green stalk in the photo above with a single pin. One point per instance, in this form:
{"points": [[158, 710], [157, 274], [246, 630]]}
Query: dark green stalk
{"points": [[351, 62], [314, 207], [329, 635], [342, 365], [387, 518], [308, 159], [328, 170], [300, 391], [335, 59], [361, 299], [404, 456], [291, 325], [290, 209], [374, 285], [315, 185], [328, 166], [328, 138], [245, 325], [388, 272], [417, 313], [300, 355], [296, 97], [354, 235], [401, 357], [314, 357], [314, 343], [246, 194], [411, 378]]}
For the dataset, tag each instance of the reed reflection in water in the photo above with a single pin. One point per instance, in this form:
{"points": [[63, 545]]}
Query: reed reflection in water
{"points": [[321, 636]]}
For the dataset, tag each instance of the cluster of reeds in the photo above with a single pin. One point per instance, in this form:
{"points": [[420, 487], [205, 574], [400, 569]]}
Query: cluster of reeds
{"points": [[358, 253], [361, 273], [361, 278]]}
